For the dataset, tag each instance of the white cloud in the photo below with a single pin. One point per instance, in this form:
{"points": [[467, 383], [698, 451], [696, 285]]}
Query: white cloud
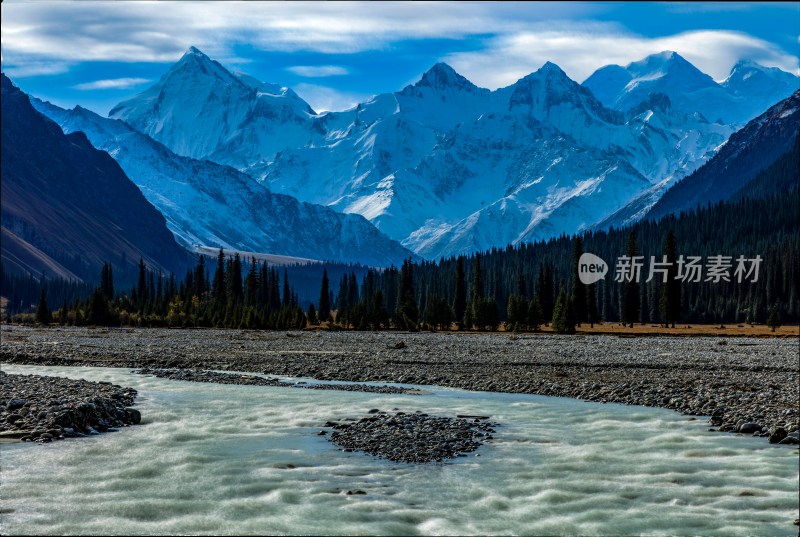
{"points": [[113, 83], [581, 49], [58, 33], [327, 99], [161, 31], [317, 71]]}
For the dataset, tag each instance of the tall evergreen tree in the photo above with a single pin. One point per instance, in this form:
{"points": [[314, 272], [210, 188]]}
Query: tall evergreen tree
{"points": [[43, 314], [107, 281], [341, 300], [578, 288], [141, 288], [324, 298], [218, 287], [563, 321], [591, 304], [630, 295], [670, 303], [460, 298], [287, 293], [407, 312]]}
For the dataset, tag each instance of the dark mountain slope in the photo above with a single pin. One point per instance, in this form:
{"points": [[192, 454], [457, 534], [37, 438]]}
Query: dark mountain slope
{"points": [[68, 207]]}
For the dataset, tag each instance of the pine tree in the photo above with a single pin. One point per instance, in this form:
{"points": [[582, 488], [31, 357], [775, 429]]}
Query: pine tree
{"points": [[107, 281], [591, 305], [460, 299], [563, 321], [218, 288], [578, 288], [535, 316], [630, 296], [670, 303], [407, 312], [774, 317], [141, 290], [324, 298], [287, 293], [312, 315], [341, 301], [43, 314]]}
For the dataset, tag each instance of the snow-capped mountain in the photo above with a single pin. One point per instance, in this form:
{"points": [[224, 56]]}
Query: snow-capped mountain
{"points": [[207, 204], [444, 166], [753, 148], [449, 168], [748, 91], [199, 109]]}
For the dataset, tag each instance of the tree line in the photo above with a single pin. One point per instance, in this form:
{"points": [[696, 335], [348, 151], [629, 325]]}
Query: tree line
{"points": [[521, 287]]}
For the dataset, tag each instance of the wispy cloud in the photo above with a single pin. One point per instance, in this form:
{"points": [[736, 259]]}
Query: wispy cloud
{"points": [[327, 99], [317, 71], [35, 67], [581, 49], [112, 83], [161, 31]]}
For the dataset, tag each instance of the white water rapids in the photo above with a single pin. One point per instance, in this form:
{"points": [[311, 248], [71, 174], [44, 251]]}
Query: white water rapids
{"points": [[226, 459]]}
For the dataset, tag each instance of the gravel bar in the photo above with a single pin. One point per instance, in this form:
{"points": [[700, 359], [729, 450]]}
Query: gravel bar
{"points": [[745, 385], [43, 409], [217, 377], [413, 438]]}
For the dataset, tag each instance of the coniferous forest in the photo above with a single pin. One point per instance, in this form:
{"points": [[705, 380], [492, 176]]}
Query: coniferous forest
{"points": [[520, 287]]}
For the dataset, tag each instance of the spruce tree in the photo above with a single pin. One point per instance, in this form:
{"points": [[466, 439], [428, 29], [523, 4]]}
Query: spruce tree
{"points": [[312, 315], [774, 317], [460, 298], [141, 289], [218, 288], [630, 295], [407, 311], [43, 314], [578, 288], [563, 315], [670, 302], [341, 301], [591, 305], [324, 298], [535, 316]]}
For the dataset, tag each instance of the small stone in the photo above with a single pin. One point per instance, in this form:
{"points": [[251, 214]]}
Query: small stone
{"points": [[776, 435], [15, 404], [749, 427], [134, 415], [355, 492]]}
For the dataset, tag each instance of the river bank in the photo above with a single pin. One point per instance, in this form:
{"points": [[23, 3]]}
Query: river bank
{"points": [[746, 385]]}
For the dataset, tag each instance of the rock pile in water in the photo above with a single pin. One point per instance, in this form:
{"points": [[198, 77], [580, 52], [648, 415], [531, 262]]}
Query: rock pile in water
{"points": [[413, 438], [42, 409]]}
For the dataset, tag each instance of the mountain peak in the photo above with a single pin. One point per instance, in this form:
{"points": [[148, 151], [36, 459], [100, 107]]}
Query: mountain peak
{"points": [[666, 60], [551, 69], [442, 76], [195, 51]]}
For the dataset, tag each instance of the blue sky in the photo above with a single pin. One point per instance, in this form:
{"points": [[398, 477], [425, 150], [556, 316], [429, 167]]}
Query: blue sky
{"points": [[335, 54]]}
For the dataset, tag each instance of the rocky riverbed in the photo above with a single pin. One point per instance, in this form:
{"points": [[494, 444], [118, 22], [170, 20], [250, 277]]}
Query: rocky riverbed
{"points": [[218, 377], [745, 385], [43, 409], [416, 438]]}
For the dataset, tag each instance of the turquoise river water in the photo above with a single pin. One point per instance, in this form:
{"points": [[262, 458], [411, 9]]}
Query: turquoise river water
{"points": [[222, 459]]}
